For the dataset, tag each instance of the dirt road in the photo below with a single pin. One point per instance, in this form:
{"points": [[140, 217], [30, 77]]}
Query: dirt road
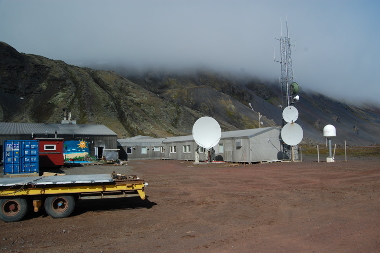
{"points": [[276, 207]]}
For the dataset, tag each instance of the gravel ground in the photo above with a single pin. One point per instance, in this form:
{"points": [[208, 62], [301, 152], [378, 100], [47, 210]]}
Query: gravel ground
{"points": [[95, 169], [275, 207]]}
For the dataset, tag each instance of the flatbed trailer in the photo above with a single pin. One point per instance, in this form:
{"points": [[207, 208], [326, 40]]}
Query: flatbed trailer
{"points": [[58, 194]]}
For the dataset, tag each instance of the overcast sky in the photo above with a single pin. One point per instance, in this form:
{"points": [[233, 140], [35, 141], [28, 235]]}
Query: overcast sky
{"points": [[337, 42]]}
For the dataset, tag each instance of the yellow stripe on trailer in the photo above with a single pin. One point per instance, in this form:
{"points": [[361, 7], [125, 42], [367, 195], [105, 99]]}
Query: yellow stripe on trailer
{"points": [[93, 188]]}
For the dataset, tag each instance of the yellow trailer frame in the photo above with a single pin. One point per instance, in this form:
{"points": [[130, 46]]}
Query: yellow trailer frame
{"points": [[59, 196], [78, 189]]}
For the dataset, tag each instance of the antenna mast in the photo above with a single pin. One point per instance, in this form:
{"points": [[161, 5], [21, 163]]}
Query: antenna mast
{"points": [[291, 131], [286, 65]]}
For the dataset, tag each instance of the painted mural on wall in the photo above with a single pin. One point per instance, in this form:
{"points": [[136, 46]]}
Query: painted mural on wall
{"points": [[75, 149]]}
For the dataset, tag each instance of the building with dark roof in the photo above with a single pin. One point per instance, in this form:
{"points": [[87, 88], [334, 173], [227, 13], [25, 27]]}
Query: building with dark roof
{"points": [[98, 137]]}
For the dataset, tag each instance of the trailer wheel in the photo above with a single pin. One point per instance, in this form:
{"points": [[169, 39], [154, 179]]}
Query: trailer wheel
{"points": [[59, 206], [13, 209]]}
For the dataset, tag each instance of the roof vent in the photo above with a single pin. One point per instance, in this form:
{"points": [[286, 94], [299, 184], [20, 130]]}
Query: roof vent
{"points": [[67, 120]]}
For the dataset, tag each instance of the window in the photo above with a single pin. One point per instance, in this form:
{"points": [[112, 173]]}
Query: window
{"points": [[173, 149], [144, 150], [221, 148], [162, 149], [238, 143], [202, 149], [186, 148], [156, 149], [50, 147], [129, 150]]}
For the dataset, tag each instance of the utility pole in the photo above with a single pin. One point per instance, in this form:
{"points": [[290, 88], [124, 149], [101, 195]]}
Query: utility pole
{"points": [[259, 118], [250, 105]]}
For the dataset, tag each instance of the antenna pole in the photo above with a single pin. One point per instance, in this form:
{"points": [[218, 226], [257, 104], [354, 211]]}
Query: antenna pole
{"points": [[250, 105], [286, 80], [286, 65]]}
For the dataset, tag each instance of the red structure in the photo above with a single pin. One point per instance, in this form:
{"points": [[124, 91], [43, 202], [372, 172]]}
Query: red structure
{"points": [[50, 152]]}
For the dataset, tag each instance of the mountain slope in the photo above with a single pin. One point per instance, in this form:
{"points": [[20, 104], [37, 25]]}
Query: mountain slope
{"points": [[37, 89], [160, 103], [354, 124]]}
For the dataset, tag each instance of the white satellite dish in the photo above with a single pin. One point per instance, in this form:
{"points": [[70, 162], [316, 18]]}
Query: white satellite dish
{"points": [[206, 132], [292, 134], [290, 114]]}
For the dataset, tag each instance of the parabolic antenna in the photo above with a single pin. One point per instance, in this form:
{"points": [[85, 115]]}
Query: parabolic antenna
{"points": [[290, 114], [294, 87], [292, 134], [206, 132]]}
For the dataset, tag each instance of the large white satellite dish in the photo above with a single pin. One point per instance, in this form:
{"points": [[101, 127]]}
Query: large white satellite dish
{"points": [[292, 134], [206, 132], [290, 114]]}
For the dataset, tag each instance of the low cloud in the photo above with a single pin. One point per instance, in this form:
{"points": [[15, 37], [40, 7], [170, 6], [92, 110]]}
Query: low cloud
{"points": [[335, 42]]}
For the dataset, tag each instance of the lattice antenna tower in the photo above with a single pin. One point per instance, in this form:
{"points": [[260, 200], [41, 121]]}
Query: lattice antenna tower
{"points": [[286, 66], [286, 80]]}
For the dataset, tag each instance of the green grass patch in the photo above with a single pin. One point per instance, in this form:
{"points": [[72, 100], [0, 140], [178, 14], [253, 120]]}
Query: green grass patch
{"points": [[350, 150]]}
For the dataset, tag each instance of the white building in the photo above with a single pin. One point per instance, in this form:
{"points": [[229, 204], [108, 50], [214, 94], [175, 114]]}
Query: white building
{"points": [[248, 146]]}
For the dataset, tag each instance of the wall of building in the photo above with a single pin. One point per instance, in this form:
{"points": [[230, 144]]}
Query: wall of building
{"points": [[263, 146], [266, 147], [94, 141], [184, 150], [140, 151]]}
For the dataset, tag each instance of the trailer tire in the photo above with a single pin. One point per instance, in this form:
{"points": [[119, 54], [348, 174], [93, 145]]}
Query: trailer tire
{"points": [[13, 209], [59, 206]]}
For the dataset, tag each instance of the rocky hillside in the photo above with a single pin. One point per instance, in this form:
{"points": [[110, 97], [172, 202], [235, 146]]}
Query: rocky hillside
{"points": [[160, 103]]}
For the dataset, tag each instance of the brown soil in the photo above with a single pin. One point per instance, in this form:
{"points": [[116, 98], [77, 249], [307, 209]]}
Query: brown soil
{"points": [[275, 207]]}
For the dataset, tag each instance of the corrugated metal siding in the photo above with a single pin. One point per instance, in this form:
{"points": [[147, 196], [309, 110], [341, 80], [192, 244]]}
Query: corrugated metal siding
{"points": [[256, 145], [136, 144], [180, 155], [266, 147]]}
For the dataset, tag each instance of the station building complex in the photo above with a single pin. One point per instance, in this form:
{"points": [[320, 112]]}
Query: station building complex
{"points": [[248, 146]]}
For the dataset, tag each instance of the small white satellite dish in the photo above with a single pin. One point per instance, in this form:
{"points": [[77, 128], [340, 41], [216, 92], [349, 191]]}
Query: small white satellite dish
{"points": [[292, 134], [206, 132], [290, 114]]}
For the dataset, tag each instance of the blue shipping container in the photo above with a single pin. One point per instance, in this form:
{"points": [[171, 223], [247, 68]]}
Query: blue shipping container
{"points": [[21, 157]]}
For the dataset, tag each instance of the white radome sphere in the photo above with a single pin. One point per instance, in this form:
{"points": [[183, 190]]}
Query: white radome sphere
{"points": [[329, 131]]}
